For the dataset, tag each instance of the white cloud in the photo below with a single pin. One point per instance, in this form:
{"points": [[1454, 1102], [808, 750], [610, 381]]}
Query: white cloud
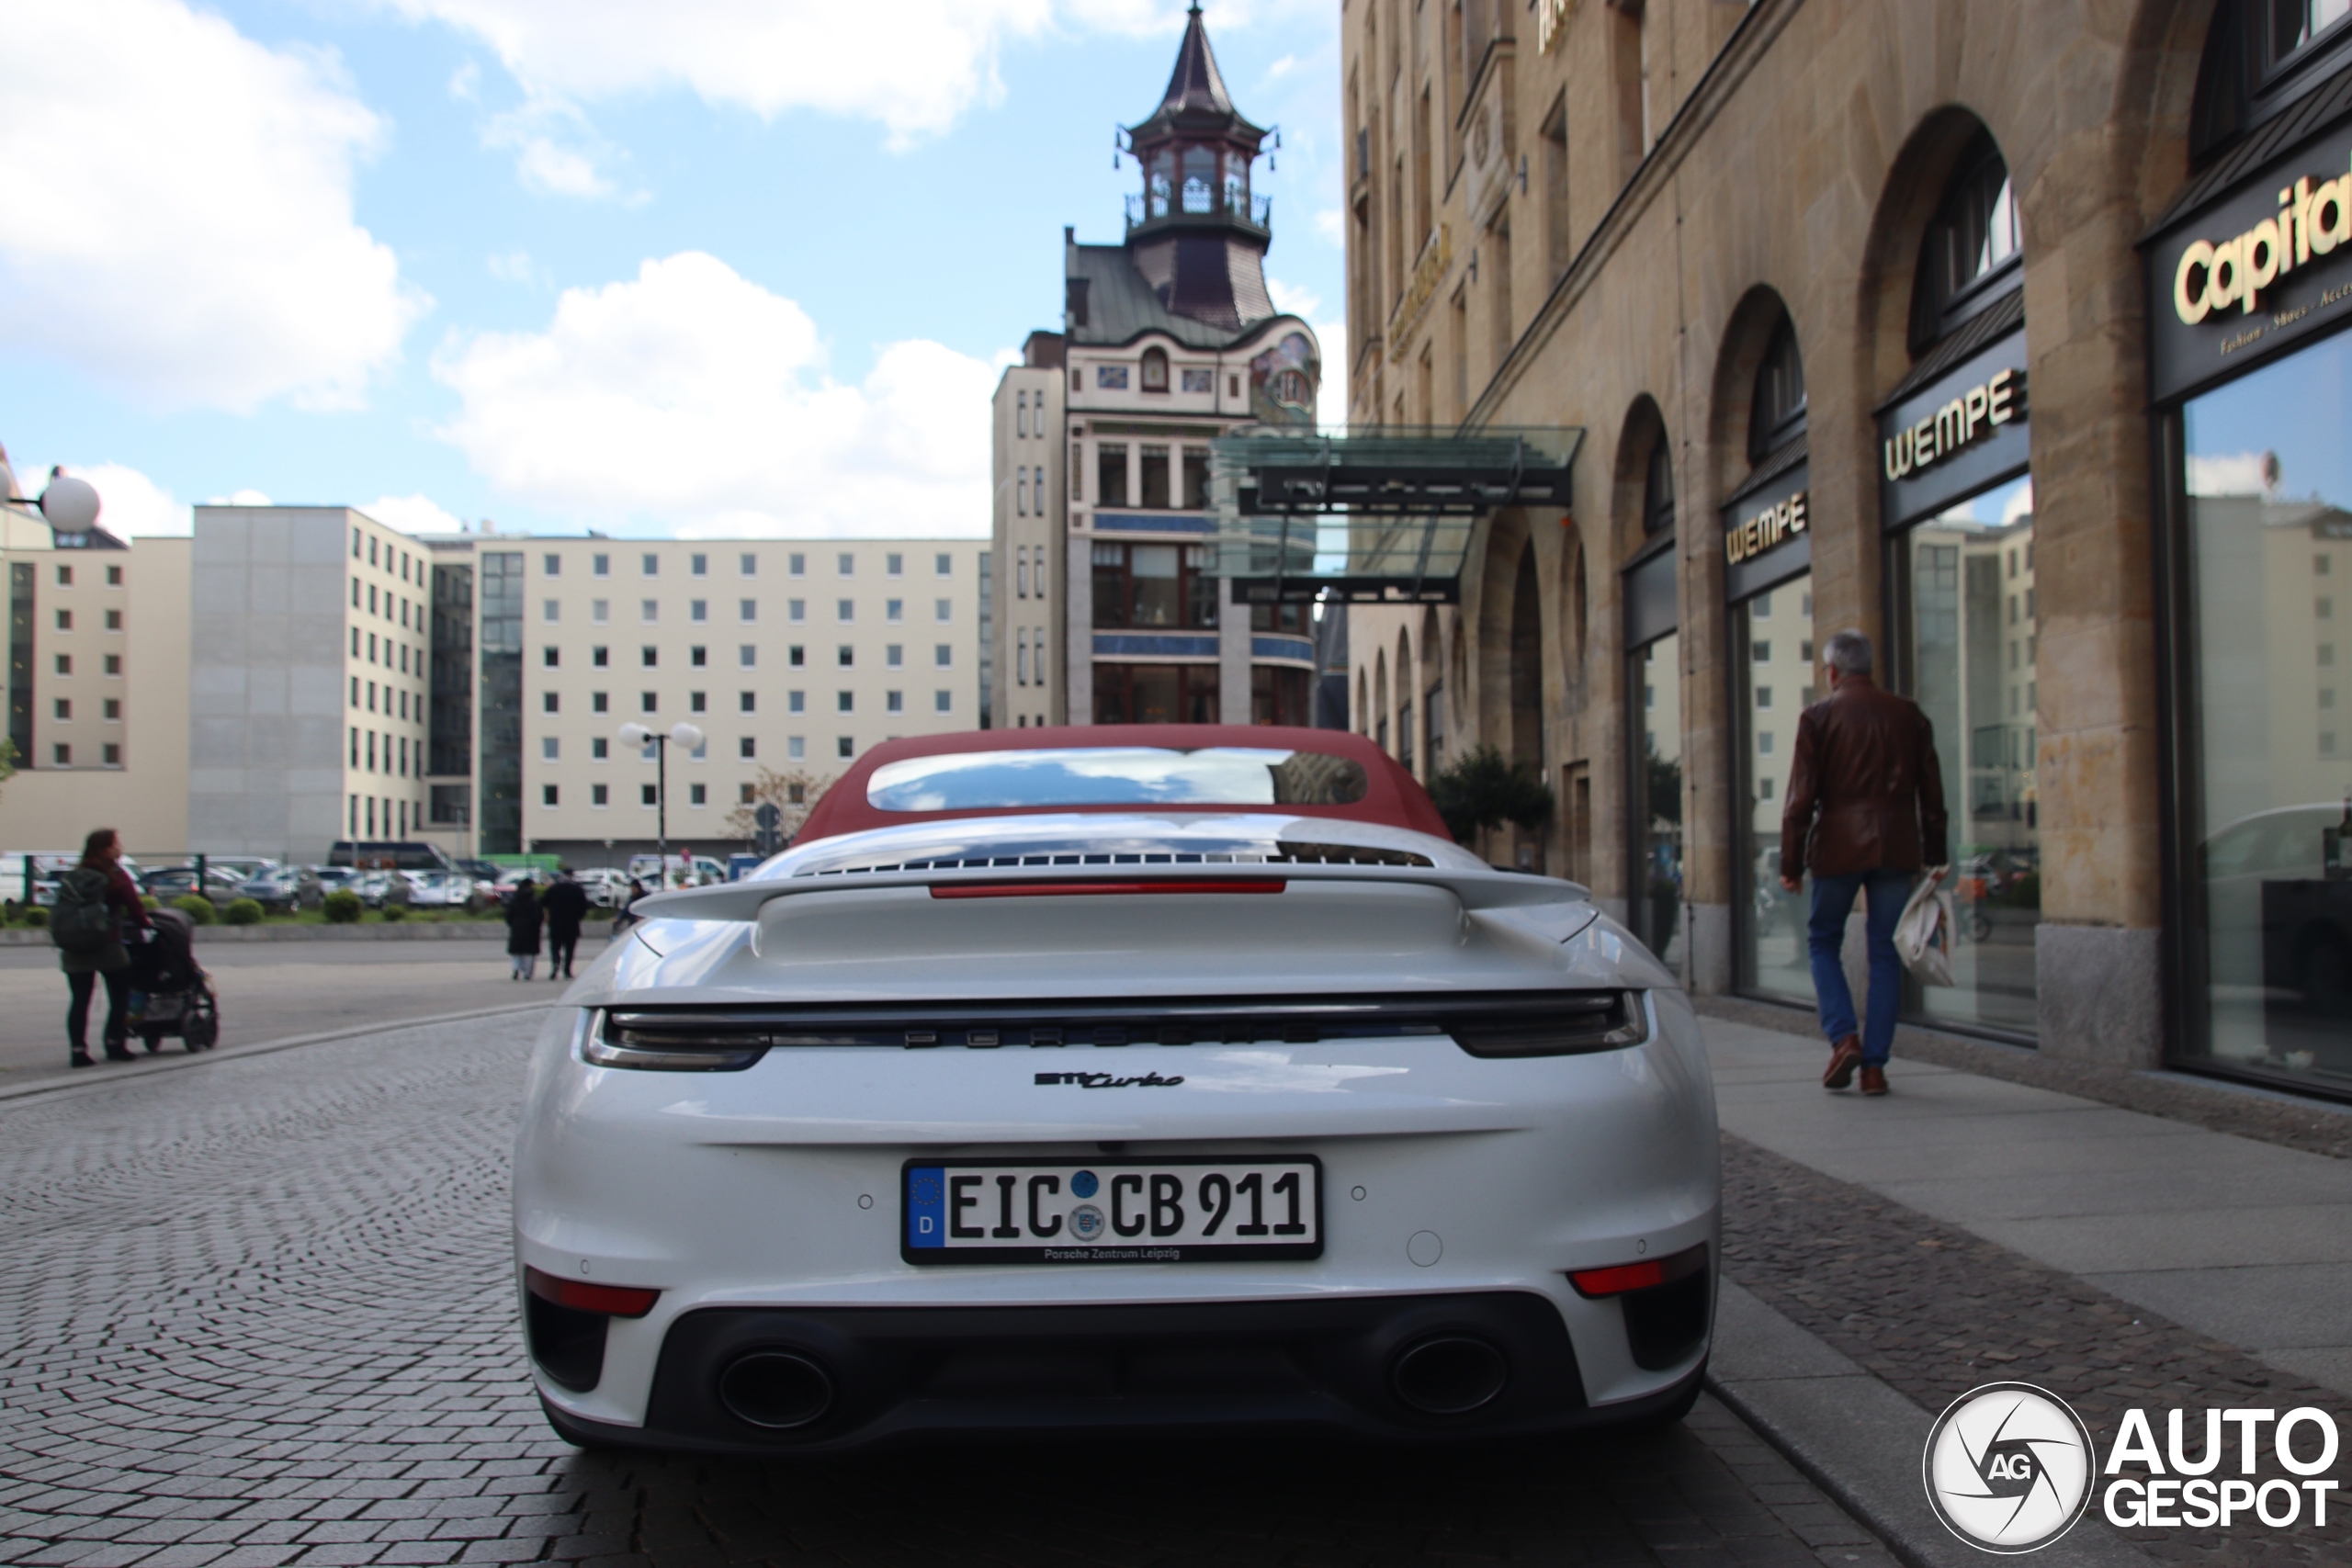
{"points": [[1291, 298], [556, 151], [939, 58], [697, 400], [2236, 473], [511, 267], [179, 222], [241, 498], [1330, 224], [413, 514]]}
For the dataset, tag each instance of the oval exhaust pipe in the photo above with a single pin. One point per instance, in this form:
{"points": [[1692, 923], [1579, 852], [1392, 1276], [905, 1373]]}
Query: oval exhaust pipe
{"points": [[775, 1389], [1449, 1374]]}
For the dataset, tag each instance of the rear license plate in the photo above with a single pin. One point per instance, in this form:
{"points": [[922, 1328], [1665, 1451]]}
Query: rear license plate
{"points": [[1168, 1210]]}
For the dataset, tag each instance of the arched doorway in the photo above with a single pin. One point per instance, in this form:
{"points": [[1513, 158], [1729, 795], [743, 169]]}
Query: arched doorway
{"points": [[1528, 749], [1653, 646]]}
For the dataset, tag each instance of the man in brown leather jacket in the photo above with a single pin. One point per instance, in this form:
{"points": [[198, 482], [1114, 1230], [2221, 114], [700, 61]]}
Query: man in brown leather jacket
{"points": [[1865, 815]]}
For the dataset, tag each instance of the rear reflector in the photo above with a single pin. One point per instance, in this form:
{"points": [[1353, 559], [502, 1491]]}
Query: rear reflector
{"points": [[613, 1301], [1623, 1277], [1063, 889]]}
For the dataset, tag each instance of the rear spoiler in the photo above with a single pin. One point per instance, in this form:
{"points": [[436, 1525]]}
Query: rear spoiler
{"points": [[1477, 888]]}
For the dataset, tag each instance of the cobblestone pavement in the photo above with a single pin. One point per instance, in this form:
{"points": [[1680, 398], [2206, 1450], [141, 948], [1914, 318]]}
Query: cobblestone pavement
{"points": [[260, 1313], [1934, 1310], [2315, 1126]]}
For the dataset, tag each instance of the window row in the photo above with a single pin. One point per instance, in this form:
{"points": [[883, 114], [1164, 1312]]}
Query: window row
{"points": [[111, 709], [387, 604], [942, 701], [113, 620], [1151, 476], [60, 755], [747, 564], [113, 665], [747, 656], [66, 576], [746, 611], [1152, 376], [388, 652], [378, 753], [397, 701], [409, 569]]}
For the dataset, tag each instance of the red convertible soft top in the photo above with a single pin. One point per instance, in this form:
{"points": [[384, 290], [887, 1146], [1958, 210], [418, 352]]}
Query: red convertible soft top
{"points": [[1392, 796]]}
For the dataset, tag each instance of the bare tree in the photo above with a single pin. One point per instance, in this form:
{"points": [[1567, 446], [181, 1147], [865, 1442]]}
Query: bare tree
{"points": [[793, 791]]}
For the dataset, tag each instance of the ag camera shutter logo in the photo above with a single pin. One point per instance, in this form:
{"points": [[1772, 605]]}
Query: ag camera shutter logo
{"points": [[2008, 1468]]}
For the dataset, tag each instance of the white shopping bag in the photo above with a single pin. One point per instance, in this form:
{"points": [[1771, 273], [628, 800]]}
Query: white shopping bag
{"points": [[1924, 935]]}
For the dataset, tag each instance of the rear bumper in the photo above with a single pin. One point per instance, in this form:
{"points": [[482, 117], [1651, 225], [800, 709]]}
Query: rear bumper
{"points": [[1396, 1367]]}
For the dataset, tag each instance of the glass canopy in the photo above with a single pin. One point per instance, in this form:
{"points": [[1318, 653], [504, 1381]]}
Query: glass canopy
{"points": [[1373, 515]]}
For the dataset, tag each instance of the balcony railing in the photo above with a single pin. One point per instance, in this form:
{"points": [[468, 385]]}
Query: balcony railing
{"points": [[1252, 212]]}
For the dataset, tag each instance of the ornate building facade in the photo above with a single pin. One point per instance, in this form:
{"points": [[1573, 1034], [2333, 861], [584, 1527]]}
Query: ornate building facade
{"points": [[1107, 605]]}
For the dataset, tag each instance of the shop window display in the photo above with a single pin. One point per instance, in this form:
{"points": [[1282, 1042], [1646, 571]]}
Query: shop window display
{"points": [[1967, 578], [2269, 860], [1656, 688], [1771, 687]]}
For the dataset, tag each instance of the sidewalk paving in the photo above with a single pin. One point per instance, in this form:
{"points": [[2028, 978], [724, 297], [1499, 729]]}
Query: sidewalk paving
{"points": [[1883, 1256], [2242, 1241]]}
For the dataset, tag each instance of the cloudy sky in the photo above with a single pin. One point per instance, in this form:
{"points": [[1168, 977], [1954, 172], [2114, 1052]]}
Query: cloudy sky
{"points": [[701, 269]]}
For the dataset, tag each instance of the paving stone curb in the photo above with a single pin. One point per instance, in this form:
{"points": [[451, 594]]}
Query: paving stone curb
{"points": [[1930, 1311], [106, 1074], [2315, 1126], [1857, 1437]]}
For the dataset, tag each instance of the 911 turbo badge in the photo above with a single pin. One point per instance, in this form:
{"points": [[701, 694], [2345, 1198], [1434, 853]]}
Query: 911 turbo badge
{"points": [[1110, 1081]]}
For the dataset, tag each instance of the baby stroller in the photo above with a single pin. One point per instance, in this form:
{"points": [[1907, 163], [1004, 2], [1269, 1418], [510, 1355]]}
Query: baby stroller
{"points": [[170, 993]]}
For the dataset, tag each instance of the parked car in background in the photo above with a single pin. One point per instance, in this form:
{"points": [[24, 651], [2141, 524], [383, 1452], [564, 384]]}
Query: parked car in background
{"points": [[606, 889], [438, 889], [45, 866], [284, 888], [378, 888], [165, 883]]}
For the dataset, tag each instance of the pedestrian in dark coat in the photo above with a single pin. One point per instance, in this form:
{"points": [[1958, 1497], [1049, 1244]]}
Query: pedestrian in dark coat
{"points": [[566, 906], [99, 880], [523, 928], [1865, 815]]}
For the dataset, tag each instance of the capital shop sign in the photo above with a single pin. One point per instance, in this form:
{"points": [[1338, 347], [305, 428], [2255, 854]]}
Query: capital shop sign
{"points": [[2250, 274]]}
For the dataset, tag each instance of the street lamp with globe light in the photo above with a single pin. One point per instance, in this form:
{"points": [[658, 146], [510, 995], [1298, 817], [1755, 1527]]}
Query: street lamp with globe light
{"points": [[679, 734]]}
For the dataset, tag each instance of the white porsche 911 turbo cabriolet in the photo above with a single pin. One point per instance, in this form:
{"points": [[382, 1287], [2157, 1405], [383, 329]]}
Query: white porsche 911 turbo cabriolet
{"points": [[1143, 1078]]}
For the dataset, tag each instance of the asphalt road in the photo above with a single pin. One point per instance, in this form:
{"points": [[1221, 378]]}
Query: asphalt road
{"points": [[260, 1313], [275, 990]]}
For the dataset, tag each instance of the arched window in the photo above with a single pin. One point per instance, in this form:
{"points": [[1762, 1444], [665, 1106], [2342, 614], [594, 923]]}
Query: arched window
{"points": [[1237, 184], [1159, 186], [1155, 370], [1777, 416], [1973, 247], [1657, 489]]}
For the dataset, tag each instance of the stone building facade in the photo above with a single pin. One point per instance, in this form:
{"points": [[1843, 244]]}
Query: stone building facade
{"points": [[1878, 314]]}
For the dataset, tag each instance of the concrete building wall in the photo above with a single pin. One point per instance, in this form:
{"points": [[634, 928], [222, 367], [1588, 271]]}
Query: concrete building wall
{"points": [[1032, 581], [303, 656]]}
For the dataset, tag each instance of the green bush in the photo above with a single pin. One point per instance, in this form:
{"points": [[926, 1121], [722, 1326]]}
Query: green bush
{"points": [[197, 907], [395, 911], [1484, 789], [242, 912], [342, 908], [150, 900], [34, 916]]}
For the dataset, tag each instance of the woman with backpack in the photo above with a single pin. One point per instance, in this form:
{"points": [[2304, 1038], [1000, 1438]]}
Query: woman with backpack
{"points": [[95, 901]]}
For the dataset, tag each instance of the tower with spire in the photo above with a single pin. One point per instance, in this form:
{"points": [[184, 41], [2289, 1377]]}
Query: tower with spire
{"points": [[1104, 602]]}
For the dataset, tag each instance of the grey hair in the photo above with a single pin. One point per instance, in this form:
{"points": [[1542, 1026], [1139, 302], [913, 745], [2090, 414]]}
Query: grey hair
{"points": [[1848, 653]]}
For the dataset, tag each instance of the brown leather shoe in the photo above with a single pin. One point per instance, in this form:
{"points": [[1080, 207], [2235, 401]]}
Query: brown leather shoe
{"points": [[1843, 1060], [1873, 1080]]}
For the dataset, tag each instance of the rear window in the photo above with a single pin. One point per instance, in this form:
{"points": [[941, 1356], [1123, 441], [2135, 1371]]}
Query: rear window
{"points": [[1117, 775]]}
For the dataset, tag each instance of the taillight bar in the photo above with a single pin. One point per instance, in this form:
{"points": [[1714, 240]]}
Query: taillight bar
{"points": [[1075, 887], [1619, 1279], [613, 1301]]}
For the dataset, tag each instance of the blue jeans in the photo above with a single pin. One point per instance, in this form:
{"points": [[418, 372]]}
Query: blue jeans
{"points": [[1833, 900]]}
